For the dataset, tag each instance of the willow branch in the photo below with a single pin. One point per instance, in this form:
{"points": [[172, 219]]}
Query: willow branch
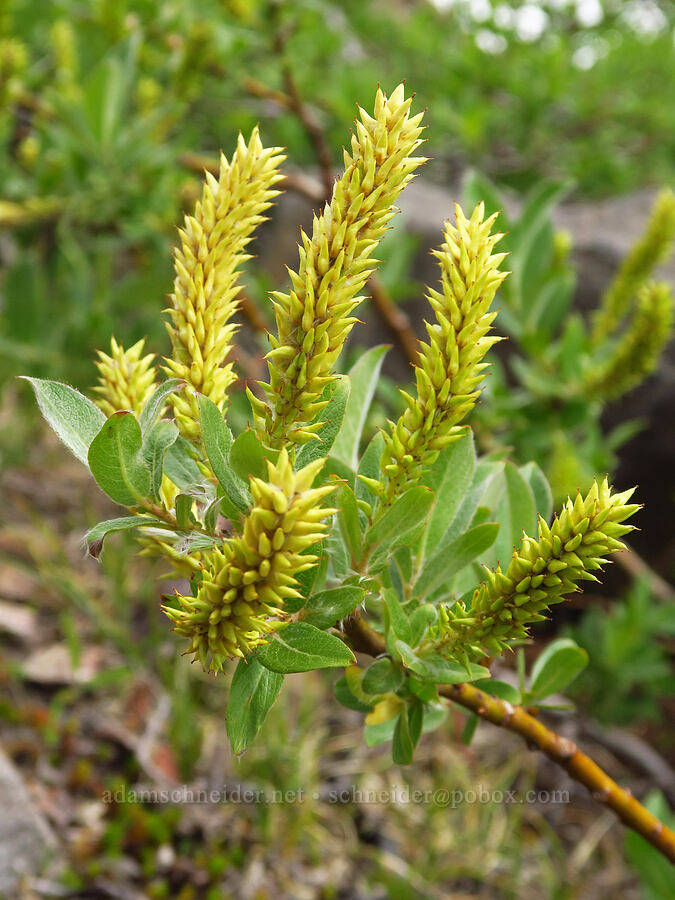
{"points": [[559, 749], [396, 320]]}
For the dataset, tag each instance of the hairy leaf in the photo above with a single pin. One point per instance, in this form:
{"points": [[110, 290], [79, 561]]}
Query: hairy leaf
{"points": [[74, 418], [300, 647], [324, 609], [116, 460]]}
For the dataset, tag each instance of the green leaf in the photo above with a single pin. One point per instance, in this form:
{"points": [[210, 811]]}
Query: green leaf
{"points": [[449, 479], [374, 735], [96, 535], [437, 670], [381, 677], [116, 460], [300, 647], [396, 623], [180, 466], [556, 668], [247, 456], [348, 520], [324, 609], [415, 720], [74, 418], [184, 516], [515, 513], [252, 693], [156, 442], [153, 408], [363, 376], [656, 872], [543, 498], [344, 696], [218, 445], [451, 557], [469, 729], [478, 188], [408, 511], [369, 466], [337, 394], [501, 689], [484, 476], [402, 745], [420, 619], [551, 304]]}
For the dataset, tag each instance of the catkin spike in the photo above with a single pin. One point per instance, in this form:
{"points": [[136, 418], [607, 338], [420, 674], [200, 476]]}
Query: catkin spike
{"points": [[212, 245], [315, 318], [637, 352], [245, 581], [450, 366], [653, 248], [126, 378], [541, 572]]}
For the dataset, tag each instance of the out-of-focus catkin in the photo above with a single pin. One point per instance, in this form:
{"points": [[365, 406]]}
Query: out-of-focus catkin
{"points": [[126, 378]]}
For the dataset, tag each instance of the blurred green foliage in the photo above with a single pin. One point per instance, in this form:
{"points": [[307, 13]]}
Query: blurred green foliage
{"points": [[556, 376], [630, 670], [100, 99]]}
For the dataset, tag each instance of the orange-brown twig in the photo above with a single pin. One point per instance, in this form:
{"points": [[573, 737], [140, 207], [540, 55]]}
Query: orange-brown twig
{"points": [[561, 750]]}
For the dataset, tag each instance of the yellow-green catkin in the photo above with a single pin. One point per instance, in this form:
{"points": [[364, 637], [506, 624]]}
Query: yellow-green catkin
{"points": [[126, 378], [206, 288], [637, 352], [653, 248], [450, 366], [246, 580], [13, 62], [64, 50], [541, 572], [315, 317]]}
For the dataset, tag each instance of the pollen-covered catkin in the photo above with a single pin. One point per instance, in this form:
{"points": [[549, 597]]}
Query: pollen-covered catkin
{"points": [[315, 317], [246, 580], [126, 378], [450, 366], [206, 289], [541, 572]]}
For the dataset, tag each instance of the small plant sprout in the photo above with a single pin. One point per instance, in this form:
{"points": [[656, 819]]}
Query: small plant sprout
{"points": [[299, 546]]}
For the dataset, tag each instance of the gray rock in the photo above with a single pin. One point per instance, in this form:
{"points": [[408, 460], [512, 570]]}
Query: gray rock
{"points": [[25, 837]]}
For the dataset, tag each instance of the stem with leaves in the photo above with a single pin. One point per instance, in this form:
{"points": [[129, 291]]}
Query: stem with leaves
{"points": [[559, 749]]}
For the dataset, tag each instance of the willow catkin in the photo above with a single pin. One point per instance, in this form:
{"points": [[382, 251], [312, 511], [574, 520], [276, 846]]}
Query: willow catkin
{"points": [[245, 581], [653, 248], [315, 317], [126, 378], [450, 366], [212, 249], [542, 572], [636, 353]]}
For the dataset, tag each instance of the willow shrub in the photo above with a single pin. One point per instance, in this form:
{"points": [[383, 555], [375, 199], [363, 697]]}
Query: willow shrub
{"points": [[286, 530]]}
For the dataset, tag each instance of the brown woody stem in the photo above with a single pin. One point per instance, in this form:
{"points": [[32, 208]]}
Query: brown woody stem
{"points": [[561, 750]]}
